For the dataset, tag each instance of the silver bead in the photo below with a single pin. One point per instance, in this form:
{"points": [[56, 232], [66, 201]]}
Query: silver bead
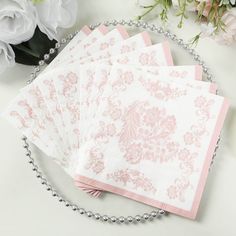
{"points": [[74, 207], [154, 214], [91, 27], [106, 23], [81, 211], [63, 40], [105, 218], [70, 36], [113, 219], [57, 45], [122, 22], [153, 27], [162, 212], [130, 23], [54, 194], [24, 138], [209, 77], [180, 41], [41, 63], [167, 34], [191, 51], [26, 145], [97, 216], [46, 57], [60, 199], [67, 204], [144, 25], [89, 214], [36, 69], [51, 50], [185, 46], [49, 188], [160, 30], [39, 175], [114, 22], [28, 153], [35, 168], [32, 75], [130, 219], [205, 69], [121, 219], [145, 216], [138, 218]]}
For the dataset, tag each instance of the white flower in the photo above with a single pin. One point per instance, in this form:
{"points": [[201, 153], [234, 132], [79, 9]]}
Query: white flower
{"points": [[207, 29], [55, 14], [228, 36], [17, 21], [189, 7], [7, 56]]}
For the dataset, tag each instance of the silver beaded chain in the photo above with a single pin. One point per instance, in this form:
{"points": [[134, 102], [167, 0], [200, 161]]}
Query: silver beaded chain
{"points": [[155, 214]]}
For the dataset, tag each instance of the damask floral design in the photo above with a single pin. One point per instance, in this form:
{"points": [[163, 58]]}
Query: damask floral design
{"points": [[134, 178], [52, 94], [178, 74], [146, 134], [123, 60], [123, 79], [103, 80], [197, 131], [128, 48], [187, 161], [148, 59], [161, 90], [187, 158], [105, 45], [22, 120], [35, 91], [69, 83], [95, 160], [177, 190], [105, 131], [113, 110]]}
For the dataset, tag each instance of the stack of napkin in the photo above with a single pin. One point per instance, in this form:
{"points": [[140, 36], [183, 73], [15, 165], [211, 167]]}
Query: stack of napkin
{"points": [[117, 115]]}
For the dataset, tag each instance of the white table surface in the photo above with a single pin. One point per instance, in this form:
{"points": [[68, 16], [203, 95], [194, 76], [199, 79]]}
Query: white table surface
{"points": [[27, 209]]}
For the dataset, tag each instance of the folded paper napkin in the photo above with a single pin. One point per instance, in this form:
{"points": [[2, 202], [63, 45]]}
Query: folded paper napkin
{"points": [[117, 115]]}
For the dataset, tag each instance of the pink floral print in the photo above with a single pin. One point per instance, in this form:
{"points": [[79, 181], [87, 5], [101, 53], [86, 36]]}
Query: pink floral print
{"points": [[95, 161], [133, 178], [160, 90], [193, 137], [148, 58], [146, 134]]}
